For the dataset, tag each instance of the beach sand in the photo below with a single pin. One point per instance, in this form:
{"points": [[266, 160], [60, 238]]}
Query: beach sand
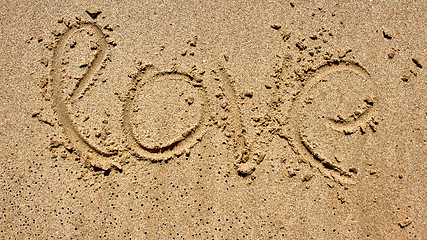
{"points": [[213, 120]]}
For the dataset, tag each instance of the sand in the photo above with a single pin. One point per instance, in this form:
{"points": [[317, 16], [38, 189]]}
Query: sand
{"points": [[213, 120]]}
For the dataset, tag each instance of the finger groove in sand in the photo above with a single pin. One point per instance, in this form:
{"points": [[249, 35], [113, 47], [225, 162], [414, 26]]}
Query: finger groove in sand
{"points": [[95, 156], [302, 146], [180, 143]]}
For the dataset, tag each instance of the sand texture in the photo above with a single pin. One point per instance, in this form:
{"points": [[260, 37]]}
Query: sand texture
{"points": [[213, 120]]}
